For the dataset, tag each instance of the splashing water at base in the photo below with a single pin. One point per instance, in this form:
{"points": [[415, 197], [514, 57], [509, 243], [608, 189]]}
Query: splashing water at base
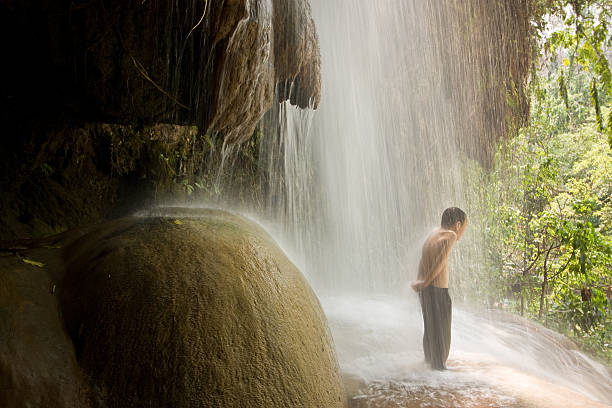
{"points": [[496, 360]]}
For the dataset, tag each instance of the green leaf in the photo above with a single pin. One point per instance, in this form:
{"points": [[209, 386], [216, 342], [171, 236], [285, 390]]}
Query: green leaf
{"points": [[34, 263]]}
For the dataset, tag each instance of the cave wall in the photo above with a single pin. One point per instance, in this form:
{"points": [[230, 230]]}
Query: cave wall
{"points": [[69, 175], [492, 51], [214, 64], [88, 83]]}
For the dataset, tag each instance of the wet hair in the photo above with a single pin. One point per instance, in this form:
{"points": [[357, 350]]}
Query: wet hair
{"points": [[451, 216]]}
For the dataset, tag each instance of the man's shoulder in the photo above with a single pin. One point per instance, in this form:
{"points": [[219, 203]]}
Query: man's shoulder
{"points": [[448, 234], [440, 238], [443, 238], [441, 234]]}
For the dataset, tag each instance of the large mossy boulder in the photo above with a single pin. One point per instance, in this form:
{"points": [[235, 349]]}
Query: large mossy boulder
{"points": [[197, 311]]}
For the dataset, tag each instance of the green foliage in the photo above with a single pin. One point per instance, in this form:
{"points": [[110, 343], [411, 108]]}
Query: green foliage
{"points": [[563, 90], [46, 169], [576, 32], [202, 169], [547, 209], [580, 27]]}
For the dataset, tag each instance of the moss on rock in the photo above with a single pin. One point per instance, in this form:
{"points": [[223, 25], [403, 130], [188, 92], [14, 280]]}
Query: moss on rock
{"points": [[207, 311]]}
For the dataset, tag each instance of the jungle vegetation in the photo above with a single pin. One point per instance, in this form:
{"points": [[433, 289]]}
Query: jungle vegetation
{"points": [[547, 203]]}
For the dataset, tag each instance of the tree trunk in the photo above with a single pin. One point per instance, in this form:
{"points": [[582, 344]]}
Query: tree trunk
{"points": [[543, 292], [544, 282]]}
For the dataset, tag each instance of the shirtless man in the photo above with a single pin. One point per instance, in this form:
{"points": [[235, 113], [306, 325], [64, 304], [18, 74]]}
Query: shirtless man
{"points": [[432, 285]]}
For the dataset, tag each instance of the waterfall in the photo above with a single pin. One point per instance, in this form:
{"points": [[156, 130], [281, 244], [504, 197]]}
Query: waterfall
{"points": [[410, 95], [366, 177]]}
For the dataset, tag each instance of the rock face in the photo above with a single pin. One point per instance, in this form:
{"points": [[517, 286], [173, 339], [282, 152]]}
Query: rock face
{"points": [[213, 63], [192, 312], [38, 366], [493, 47], [268, 45], [80, 175], [88, 81]]}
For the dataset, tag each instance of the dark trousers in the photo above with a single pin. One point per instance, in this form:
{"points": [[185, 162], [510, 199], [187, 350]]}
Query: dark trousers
{"points": [[437, 315]]}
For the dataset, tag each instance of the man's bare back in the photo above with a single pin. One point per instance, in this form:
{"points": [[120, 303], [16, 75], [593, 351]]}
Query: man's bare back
{"points": [[433, 267]]}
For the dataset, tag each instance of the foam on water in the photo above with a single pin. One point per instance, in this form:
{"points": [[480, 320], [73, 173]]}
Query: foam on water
{"points": [[495, 357]]}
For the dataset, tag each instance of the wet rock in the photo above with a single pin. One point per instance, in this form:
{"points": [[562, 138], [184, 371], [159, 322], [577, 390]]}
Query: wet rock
{"points": [[268, 45], [38, 366], [79, 175], [207, 311], [246, 73], [296, 53], [493, 47]]}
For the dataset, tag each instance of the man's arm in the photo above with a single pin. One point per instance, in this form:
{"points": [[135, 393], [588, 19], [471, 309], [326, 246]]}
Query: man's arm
{"points": [[444, 244]]}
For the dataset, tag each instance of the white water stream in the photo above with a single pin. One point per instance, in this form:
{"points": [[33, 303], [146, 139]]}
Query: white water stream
{"points": [[379, 163]]}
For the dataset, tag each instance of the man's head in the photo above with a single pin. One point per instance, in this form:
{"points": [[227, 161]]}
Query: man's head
{"points": [[454, 219]]}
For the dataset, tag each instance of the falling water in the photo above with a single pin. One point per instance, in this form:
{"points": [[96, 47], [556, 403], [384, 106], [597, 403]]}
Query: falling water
{"points": [[381, 161], [355, 187]]}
